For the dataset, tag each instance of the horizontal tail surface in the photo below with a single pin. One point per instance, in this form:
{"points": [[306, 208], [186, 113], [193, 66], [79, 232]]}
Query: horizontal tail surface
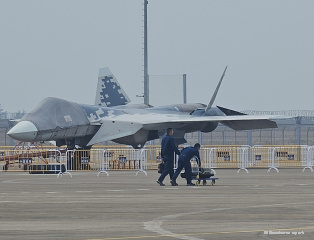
{"points": [[247, 124]]}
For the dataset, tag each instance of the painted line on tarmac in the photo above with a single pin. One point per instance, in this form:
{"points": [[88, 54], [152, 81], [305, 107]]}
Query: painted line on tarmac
{"points": [[156, 224], [205, 233], [12, 181]]}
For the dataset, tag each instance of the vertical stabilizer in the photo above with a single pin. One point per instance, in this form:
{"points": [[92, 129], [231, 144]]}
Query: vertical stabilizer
{"points": [[109, 92], [216, 91]]}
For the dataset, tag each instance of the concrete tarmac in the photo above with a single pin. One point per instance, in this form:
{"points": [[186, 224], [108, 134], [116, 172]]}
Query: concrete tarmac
{"points": [[257, 205]]}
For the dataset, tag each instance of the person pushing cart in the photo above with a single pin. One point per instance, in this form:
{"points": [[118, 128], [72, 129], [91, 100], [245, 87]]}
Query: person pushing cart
{"points": [[184, 162]]}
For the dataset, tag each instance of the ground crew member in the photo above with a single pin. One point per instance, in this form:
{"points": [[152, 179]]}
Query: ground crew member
{"points": [[184, 162], [168, 149]]}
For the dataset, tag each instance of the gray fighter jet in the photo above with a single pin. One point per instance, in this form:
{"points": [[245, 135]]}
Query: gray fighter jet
{"points": [[114, 118]]}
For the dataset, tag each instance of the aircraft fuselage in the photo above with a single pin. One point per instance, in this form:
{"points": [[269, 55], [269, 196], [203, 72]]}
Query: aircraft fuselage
{"points": [[63, 121]]}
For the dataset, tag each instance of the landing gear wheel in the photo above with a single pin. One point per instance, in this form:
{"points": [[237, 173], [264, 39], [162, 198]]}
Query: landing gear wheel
{"points": [[204, 182], [213, 182], [197, 182]]}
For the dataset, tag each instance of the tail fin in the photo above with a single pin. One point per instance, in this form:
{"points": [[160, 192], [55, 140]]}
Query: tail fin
{"points": [[216, 91], [109, 93]]}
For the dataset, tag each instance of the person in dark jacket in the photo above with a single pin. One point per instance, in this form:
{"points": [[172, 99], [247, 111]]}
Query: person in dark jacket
{"points": [[168, 149], [184, 162]]}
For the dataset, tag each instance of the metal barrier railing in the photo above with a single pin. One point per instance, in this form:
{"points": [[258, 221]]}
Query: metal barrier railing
{"points": [[243, 159], [32, 160], [308, 161], [104, 166], [118, 158]]}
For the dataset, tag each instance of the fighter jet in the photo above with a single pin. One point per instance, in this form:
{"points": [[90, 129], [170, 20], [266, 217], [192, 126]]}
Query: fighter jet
{"points": [[114, 118]]}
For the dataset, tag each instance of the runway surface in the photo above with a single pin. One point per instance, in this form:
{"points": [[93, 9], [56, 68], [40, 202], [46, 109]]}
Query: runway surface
{"points": [[258, 205]]}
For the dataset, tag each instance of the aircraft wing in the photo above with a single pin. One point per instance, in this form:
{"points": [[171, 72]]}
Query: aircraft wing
{"points": [[120, 126], [110, 130], [243, 122], [156, 118]]}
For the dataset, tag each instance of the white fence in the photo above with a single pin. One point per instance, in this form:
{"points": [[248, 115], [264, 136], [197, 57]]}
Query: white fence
{"points": [[139, 160], [246, 157]]}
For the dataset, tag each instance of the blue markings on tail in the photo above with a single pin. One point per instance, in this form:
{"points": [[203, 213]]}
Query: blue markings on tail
{"points": [[109, 93]]}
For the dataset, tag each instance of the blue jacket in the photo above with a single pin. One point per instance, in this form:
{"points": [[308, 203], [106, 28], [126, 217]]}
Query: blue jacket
{"points": [[189, 152], [168, 148]]}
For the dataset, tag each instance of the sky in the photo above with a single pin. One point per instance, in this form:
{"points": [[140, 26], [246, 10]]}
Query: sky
{"points": [[54, 48]]}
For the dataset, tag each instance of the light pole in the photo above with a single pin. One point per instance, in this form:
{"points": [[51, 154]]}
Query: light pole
{"points": [[146, 77]]}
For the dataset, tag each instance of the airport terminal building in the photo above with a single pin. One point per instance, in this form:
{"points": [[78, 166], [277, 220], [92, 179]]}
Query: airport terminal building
{"points": [[298, 130]]}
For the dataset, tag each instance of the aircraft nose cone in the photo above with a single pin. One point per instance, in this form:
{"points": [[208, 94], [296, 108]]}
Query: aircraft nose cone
{"points": [[23, 131]]}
